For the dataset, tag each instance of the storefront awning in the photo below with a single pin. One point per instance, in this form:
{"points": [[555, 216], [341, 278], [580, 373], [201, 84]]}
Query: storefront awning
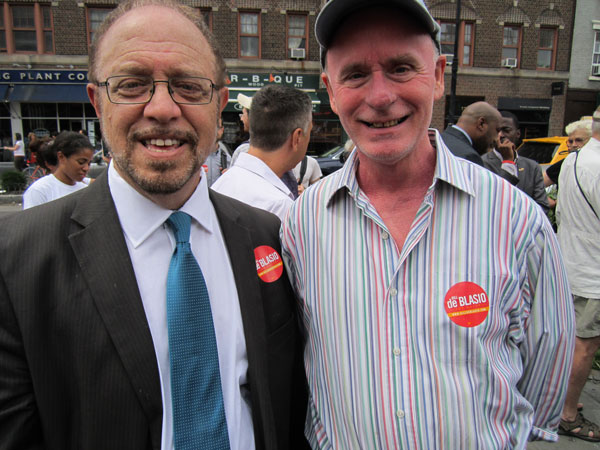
{"points": [[48, 93], [233, 106]]}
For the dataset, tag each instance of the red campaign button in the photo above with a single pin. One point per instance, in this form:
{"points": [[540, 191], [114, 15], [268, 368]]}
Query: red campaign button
{"points": [[269, 265], [466, 304]]}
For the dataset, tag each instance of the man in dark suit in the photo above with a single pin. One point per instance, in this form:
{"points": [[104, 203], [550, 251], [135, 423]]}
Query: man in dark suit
{"points": [[474, 134], [528, 173], [84, 294]]}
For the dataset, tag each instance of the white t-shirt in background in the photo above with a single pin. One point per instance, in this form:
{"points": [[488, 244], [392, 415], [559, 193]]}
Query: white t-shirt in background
{"points": [[46, 189]]}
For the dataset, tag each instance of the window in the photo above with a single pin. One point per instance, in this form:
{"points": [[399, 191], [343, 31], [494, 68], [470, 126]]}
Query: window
{"points": [[465, 42], [249, 42], [596, 56], [95, 16], [26, 29], [23, 24], [207, 16], [511, 43], [297, 25], [546, 50], [47, 29]]}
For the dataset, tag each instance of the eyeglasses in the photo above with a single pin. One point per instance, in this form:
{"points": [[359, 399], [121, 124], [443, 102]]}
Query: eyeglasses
{"points": [[136, 90]]}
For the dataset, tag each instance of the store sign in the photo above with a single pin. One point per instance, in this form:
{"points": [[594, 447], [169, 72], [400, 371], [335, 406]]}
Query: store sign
{"points": [[44, 76], [258, 80]]}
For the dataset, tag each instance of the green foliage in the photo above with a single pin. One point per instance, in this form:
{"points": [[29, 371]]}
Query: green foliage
{"points": [[13, 181]]}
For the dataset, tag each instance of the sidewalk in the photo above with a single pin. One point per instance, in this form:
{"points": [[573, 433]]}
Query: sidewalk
{"points": [[591, 410]]}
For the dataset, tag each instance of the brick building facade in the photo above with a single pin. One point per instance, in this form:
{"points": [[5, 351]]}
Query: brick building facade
{"points": [[513, 54]]}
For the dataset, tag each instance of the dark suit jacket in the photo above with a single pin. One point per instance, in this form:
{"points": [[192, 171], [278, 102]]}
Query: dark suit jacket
{"points": [[531, 180], [77, 363], [458, 144]]}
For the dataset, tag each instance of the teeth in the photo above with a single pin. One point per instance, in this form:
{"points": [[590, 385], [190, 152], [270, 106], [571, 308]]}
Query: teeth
{"points": [[390, 123], [164, 142]]}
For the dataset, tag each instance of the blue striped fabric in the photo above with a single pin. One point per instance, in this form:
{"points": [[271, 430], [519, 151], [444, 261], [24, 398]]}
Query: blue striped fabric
{"points": [[386, 365]]}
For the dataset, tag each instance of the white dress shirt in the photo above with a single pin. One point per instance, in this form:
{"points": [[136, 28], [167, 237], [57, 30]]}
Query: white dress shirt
{"points": [[251, 181], [150, 243]]}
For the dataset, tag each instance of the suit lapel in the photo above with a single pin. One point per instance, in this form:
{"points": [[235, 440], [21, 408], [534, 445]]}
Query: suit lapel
{"points": [[240, 246], [99, 245]]}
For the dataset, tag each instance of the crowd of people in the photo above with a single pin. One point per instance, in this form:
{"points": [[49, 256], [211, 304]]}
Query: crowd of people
{"points": [[194, 298]]}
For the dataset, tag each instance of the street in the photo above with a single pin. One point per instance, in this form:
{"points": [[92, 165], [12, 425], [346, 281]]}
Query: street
{"points": [[7, 208]]}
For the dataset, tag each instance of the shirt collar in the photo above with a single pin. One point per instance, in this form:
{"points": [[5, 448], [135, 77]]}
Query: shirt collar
{"points": [[258, 167], [463, 132], [140, 216], [448, 168]]}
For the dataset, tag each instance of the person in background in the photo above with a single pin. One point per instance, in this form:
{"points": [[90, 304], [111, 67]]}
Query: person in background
{"points": [[578, 218], [73, 154], [433, 294], [504, 155], [307, 172], [246, 103], [578, 134], [219, 160], [19, 152], [474, 132], [280, 127]]}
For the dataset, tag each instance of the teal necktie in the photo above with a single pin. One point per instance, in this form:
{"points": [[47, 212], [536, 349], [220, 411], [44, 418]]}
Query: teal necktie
{"points": [[198, 412]]}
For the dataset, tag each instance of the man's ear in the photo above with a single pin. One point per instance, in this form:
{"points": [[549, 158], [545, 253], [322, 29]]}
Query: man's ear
{"points": [[481, 124], [327, 84], [296, 135], [94, 95]]}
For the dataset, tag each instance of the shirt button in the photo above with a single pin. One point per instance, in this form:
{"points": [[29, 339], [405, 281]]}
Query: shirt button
{"points": [[393, 292], [385, 236], [396, 351], [400, 414]]}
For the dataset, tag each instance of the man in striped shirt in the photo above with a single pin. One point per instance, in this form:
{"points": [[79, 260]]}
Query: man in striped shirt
{"points": [[435, 303]]}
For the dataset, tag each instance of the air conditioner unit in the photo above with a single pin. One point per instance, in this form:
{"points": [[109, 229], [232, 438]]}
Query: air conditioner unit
{"points": [[449, 59], [511, 63], [596, 71], [297, 53]]}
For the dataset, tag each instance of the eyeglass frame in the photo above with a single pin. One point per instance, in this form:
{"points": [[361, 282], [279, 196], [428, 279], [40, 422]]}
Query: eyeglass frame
{"points": [[213, 87]]}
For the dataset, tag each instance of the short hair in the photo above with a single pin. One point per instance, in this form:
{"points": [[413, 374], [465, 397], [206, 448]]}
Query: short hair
{"points": [[188, 12], [509, 115], [70, 142], [276, 112], [582, 124]]}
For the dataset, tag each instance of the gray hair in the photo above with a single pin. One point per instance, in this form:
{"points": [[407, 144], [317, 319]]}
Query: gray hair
{"points": [[276, 112]]}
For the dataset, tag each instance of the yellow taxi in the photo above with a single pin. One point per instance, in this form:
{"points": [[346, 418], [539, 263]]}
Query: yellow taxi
{"points": [[546, 151]]}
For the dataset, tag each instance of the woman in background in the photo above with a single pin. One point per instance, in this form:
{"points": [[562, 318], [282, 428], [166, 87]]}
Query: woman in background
{"points": [[73, 155], [19, 152]]}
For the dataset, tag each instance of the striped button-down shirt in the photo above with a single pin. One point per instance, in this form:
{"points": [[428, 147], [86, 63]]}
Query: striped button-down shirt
{"points": [[401, 352]]}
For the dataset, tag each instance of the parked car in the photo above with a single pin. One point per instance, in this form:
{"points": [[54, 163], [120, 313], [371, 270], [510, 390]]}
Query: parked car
{"points": [[546, 151], [331, 160]]}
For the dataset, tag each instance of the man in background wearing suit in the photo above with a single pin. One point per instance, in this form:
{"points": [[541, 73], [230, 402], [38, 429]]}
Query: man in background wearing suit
{"points": [[87, 359], [504, 157]]}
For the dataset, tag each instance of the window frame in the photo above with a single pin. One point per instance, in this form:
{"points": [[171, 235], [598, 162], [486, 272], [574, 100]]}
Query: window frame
{"points": [[241, 35], [209, 13], [461, 41], [88, 22], [38, 28], [552, 49], [287, 32], [594, 53], [4, 30], [519, 45]]}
